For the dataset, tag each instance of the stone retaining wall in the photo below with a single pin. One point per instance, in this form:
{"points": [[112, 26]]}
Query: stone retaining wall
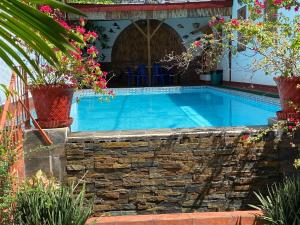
{"points": [[168, 171]]}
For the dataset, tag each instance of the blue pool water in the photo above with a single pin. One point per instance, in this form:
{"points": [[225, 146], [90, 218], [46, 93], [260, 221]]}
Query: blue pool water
{"points": [[197, 107]]}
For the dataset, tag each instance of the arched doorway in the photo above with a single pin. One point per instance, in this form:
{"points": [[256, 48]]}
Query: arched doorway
{"points": [[145, 41]]}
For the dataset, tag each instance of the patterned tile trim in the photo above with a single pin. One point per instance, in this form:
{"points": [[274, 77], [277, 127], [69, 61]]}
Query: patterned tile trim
{"points": [[178, 90]]}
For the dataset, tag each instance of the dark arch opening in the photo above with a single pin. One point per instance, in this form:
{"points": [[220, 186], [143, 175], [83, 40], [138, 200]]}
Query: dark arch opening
{"points": [[130, 48]]}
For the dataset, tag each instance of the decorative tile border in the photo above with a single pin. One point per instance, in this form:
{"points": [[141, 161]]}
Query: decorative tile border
{"points": [[181, 89]]}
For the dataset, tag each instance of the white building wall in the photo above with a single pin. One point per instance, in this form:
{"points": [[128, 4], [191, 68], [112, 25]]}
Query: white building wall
{"points": [[241, 63], [5, 76]]}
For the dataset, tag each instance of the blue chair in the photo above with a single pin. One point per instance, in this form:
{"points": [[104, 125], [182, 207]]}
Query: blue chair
{"points": [[169, 75], [157, 75], [141, 75], [130, 76]]}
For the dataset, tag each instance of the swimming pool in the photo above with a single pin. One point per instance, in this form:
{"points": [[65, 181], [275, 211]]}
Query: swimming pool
{"points": [[171, 107]]}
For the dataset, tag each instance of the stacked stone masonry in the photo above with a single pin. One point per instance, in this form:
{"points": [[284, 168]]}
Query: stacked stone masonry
{"points": [[173, 172]]}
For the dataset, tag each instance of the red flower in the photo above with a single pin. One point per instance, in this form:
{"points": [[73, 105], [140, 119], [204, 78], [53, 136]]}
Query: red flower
{"points": [[92, 50], [235, 22], [197, 43], [104, 73], [46, 9], [80, 29], [245, 137]]}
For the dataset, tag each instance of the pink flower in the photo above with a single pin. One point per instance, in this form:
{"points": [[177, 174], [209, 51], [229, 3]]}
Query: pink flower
{"points": [[288, 7], [64, 24], [92, 50], [46, 9], [80, 29], [104, 73], [259, 4], [91, 35], [82, 21], [278, 2], [197, 43], [101, 83], [235, 22], [258, 11], [76, 54], [290, 127], [222, 20]]}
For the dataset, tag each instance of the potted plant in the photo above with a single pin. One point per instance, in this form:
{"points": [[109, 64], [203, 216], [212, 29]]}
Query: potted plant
{"points": [[52, 90], [211, 59]]}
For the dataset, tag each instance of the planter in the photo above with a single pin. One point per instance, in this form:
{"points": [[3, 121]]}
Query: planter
{"points": [[216, 77], [288, 92], [53, 105]]}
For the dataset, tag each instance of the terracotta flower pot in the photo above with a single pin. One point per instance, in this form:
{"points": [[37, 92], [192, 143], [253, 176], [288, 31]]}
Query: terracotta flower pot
{"points": [[52, 105], [288, 92]]}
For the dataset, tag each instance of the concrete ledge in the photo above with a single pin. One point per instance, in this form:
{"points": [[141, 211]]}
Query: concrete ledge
{"points": [[50, 159], [213, 218]]}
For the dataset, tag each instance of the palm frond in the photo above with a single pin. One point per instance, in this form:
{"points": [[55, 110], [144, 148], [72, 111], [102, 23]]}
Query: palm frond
{"points": [[36, 29]]}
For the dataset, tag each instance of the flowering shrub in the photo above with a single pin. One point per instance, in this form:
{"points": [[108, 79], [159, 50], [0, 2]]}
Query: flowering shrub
{"points": [[271, 38], [78, 69]]}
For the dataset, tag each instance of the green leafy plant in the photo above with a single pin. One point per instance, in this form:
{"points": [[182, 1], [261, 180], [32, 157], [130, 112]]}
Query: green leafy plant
{"points": [[281, 206], [6, 181], [42, 201]]}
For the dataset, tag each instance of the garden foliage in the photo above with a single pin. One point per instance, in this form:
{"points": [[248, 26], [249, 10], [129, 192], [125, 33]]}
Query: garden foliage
{"points": [[42, 201], [281, 206]]}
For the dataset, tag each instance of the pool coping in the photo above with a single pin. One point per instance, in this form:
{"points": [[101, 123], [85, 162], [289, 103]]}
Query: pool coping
{"points": [[178, 89], [256, 92], [164, 132]]}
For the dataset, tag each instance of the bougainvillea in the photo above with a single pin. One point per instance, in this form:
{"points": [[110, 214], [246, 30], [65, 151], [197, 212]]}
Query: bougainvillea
{"points": [[270, 35], [80, 68]]}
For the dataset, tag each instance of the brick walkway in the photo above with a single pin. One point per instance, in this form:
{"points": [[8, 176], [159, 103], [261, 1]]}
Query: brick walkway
{"points": [[211, 218]]}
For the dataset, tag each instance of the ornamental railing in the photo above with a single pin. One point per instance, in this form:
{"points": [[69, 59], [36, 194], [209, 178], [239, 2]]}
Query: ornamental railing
{"points": [[15, 118]]}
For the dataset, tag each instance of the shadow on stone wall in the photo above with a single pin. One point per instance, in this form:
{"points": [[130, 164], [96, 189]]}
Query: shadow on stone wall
{"points": [[183, 171]]}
